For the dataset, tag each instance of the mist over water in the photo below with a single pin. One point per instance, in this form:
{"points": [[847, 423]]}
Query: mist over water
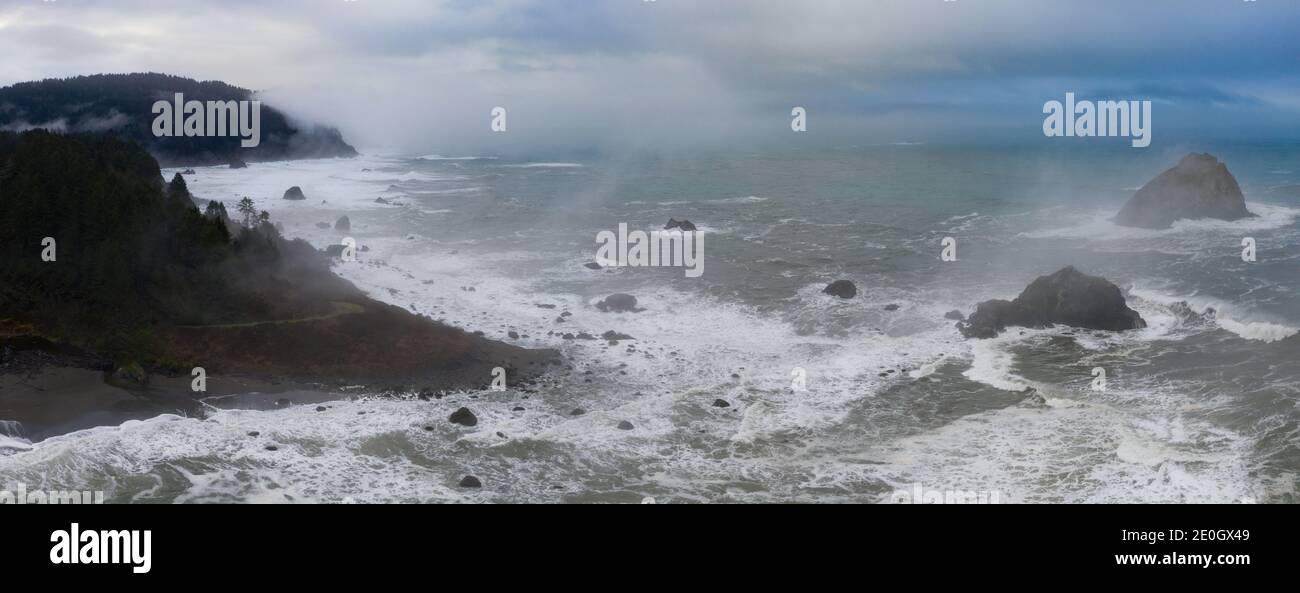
{"points": [[1201, 406]]}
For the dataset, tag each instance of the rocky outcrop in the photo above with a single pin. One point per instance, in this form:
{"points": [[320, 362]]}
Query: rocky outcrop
{"points": [[1068, 297], [841, 288], [294, 193], [1198, 187], [463, 417], [343, 224], [684, 225], [618, 303]]}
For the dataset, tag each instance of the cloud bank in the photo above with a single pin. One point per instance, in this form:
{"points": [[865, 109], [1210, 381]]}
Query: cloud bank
{"points": [[423, 75]]}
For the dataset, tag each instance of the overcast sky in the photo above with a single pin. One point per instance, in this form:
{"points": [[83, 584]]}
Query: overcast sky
{"points": [[424, 74]]}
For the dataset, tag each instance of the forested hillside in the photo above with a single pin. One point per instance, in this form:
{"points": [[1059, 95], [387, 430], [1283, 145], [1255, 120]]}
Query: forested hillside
{"points": [[122, 104]]}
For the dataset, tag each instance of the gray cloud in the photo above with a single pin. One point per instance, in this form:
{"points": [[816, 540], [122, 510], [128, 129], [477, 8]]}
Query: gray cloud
{"points": [[423, 74]]}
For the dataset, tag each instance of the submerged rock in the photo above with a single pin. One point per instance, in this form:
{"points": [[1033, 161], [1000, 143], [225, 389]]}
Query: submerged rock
{"points": [[841, 288], [1068, 297], [1198, 187], [954, 315]]}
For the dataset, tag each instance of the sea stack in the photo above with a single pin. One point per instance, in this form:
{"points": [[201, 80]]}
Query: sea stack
{"points": [[1198, 187], [1068, 297]]}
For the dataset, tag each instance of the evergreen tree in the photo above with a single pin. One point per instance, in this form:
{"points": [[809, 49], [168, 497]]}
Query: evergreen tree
{"points": [[249, 211]]}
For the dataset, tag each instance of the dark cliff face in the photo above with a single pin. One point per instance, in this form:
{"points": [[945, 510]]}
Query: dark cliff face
{"points": [[122, 105], [1198, 187], [141, 275], [1068, 297]]}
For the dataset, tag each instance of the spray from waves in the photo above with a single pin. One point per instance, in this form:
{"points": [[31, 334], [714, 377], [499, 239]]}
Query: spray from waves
{"points": [[545, 166], [365, 450], [1136, 441], [437, 157], [739, 200], [13, 438], [1227, 316], [1073, 454], [685, 342], [1099, 226], [992, 364]]}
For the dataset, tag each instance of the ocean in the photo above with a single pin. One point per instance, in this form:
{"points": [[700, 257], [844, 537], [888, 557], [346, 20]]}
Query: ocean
{"points": [[1201, 406]]}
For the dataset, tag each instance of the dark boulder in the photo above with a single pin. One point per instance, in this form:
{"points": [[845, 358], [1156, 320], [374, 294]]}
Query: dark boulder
{"points": [[237, 163], [470, 482], [463, 417], [841, 288], [1068, 297], [625, 425], [618, 303], [343, 224], [1198, 187], [684, 225], [954, 315], [294, 193], [721, 403]]}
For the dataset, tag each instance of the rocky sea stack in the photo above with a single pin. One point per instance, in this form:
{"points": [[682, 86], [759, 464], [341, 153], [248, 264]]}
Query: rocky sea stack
{"points": [[1068, 297], [1198, 187]]}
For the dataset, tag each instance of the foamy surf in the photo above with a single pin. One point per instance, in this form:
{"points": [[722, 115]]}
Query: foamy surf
{"points": [[893, 396], [1226, 315], [1099, 225]]}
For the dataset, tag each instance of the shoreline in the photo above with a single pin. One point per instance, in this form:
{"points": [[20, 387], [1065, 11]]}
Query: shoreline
{"points": [[49, 391]]}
